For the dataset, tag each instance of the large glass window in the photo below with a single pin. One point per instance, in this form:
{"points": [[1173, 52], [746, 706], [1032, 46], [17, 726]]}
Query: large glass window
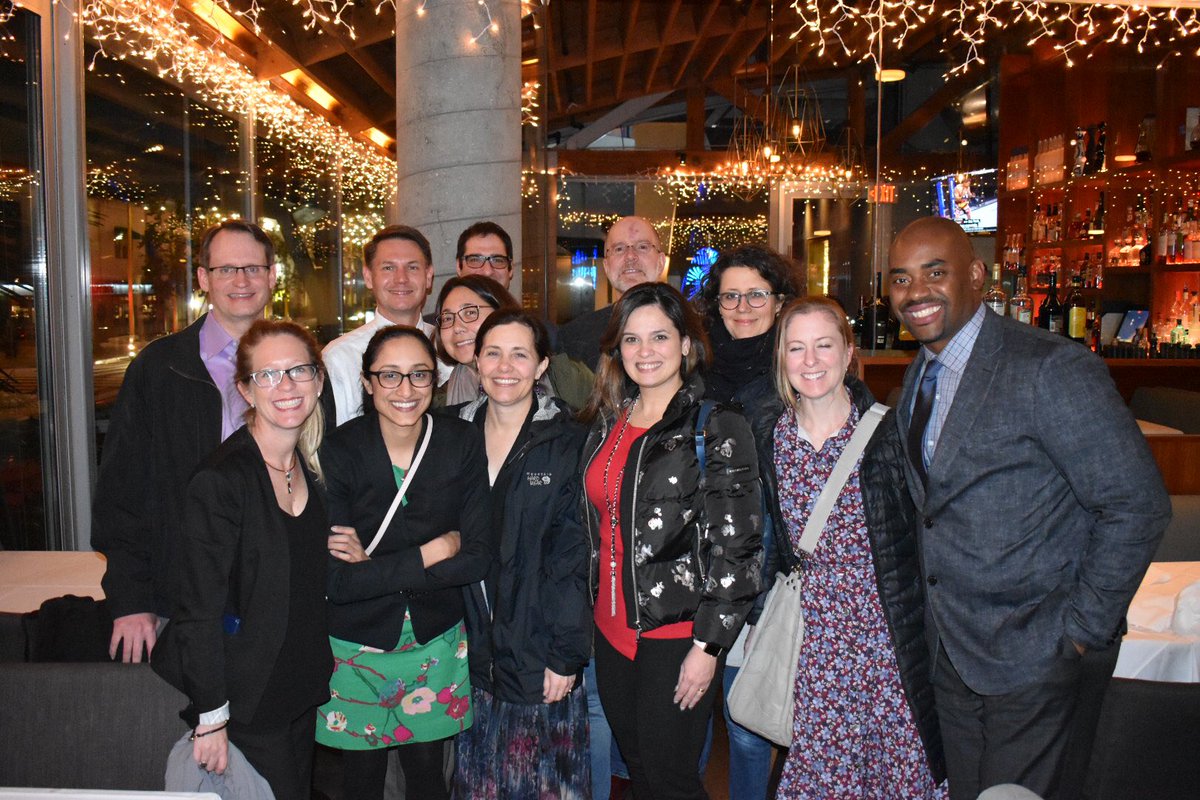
{"points": [[161, 168], [22, 512]]}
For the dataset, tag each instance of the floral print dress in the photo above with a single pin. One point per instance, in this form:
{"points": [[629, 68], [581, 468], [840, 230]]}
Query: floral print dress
{"points": [[853, 735], [412, 693]]}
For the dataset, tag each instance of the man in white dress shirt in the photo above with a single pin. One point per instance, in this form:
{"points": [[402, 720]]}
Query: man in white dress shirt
{"points": [[398, 269]]}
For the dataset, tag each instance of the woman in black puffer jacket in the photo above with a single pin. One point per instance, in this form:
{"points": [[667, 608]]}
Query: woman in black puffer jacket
{"points": [[678, 547]]}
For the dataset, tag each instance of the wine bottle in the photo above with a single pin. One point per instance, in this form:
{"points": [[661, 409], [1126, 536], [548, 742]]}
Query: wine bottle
{"points": [[1076, 312], [996, 299], [1021, 307], [874, 335], [1050, 312]]}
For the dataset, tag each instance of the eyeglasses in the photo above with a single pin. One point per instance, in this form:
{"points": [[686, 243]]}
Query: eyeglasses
{"points": [[755, 298], [466, 314], [476, 261], [251, 271], [270, 378], [642, 248], [391, 379]]}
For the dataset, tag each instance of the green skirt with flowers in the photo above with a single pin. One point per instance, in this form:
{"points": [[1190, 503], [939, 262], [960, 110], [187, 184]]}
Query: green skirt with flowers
{"points": [[382, 698]]}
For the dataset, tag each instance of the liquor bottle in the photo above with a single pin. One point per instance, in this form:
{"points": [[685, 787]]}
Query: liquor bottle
{"points": [[1141, 150], [1101, 151], [1179, 334], [1079, 165], [1096, 228], [1194, 136], [1089, 165], [876, 320], [1021, 307], [1050, 312], [1076, 312], [996, 299]]}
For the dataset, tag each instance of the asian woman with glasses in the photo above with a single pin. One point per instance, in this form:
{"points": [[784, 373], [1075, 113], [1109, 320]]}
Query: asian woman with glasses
{"points": [[412, 492], [462, 306]]}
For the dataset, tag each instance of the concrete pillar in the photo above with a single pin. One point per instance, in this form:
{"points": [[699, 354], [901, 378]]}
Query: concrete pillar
{"points": [[458, 122]]}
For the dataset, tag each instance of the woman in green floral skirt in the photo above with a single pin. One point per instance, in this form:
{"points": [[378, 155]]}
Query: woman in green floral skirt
{"points": [[409, 501]]}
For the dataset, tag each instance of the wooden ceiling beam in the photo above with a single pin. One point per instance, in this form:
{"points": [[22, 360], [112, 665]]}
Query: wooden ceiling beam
{"points": [[385, 81], [702, 32], [666, 28], [745, 23], [631, 15], [552, 60], [589, 64]]}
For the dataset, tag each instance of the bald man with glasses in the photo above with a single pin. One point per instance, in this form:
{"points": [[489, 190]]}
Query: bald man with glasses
{"points": [[633, 254]]}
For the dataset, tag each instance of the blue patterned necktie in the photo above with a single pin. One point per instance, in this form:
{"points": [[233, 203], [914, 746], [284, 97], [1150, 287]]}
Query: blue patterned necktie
{"points": [[921, 412]]}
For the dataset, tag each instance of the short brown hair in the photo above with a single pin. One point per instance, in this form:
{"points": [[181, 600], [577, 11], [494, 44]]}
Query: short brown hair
{"points": [[237, 226], [806, 305], [397, 232]]}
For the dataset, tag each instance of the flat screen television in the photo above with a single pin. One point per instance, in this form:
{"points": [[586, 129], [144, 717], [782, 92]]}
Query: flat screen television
{"points": [[968, 198]]}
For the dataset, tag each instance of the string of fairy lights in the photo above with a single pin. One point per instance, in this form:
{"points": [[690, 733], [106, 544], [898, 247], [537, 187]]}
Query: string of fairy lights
{"points": [[850, 30]]}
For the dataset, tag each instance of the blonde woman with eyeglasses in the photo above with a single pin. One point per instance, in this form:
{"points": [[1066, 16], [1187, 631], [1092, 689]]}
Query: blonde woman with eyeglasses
{"points": [[247, 641]]}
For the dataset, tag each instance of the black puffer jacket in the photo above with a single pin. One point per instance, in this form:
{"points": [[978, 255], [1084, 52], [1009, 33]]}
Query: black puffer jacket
{"points": [[694, 551], [892, 532], [533, 609]]}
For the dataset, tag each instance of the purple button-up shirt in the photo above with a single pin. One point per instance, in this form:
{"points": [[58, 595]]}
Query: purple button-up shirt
{"points": [[218, 351]]}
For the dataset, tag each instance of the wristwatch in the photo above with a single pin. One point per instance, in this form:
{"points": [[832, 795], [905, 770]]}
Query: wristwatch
{"points": [[713, 650]]}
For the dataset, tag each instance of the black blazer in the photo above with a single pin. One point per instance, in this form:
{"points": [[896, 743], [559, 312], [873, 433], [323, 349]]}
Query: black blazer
{"points": [[234, 556], [449, 492]]}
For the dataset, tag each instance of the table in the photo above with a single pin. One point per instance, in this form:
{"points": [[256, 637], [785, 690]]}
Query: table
{"points": [[1151, 651], [1154, 429], [28, 578]]}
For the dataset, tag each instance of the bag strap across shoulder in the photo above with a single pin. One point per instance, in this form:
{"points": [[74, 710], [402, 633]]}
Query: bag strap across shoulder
{"points": [[841, 473], [706, 408], [408, 476]]}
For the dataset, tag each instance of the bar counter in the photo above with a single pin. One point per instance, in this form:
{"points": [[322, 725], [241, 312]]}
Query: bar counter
{"points": [[1177, 455]]}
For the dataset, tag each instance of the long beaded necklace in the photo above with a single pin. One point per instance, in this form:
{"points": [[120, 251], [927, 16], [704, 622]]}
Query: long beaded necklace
{"points": [[612, 497]]}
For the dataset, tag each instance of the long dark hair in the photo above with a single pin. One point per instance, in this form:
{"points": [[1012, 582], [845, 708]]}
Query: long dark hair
{"points": [[612, 383], [382, 337], [491, 292], [313, 430]]}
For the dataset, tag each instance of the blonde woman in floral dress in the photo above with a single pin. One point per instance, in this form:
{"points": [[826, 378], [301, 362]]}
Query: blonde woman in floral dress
{"points": [[401, 677]]}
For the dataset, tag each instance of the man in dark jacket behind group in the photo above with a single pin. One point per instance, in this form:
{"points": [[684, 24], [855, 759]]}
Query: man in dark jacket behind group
{"points": [[177, 403]]}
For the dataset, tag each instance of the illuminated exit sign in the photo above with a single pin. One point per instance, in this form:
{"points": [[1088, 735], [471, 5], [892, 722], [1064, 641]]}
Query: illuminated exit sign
{"points": [[886, 193]]}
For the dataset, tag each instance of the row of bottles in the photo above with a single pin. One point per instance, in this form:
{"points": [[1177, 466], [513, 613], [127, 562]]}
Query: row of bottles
{"points": [[1178, 240], [1088, 265], [1182, 323], [1020, 307], [875, 328], [1072, 317], [1091, 145]]}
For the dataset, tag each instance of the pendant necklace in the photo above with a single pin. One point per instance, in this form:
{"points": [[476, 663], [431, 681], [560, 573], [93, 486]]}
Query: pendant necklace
{"points": [[287, 473], [612, 492]]}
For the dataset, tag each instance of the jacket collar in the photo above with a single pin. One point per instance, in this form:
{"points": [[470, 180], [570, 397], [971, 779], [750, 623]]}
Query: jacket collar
{"points": [[185, 359]]}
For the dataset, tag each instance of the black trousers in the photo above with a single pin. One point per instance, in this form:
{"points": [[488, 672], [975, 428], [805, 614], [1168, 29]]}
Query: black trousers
{"points": [[282, 754], [660, 744], [1020, 737], [423, 763]]}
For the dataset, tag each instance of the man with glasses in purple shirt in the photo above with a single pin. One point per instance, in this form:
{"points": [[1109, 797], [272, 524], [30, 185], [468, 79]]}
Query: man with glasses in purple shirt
{"points": [[177, 403]]}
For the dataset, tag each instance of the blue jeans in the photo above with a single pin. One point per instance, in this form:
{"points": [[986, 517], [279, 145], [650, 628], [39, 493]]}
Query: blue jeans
{"points": [[606, 758], [749, 755]]}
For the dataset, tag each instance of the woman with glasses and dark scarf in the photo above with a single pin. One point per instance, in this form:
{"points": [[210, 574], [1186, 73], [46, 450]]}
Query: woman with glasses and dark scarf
{"points": [[462, 306], [412, 491], [247, 641], [741, 299]]}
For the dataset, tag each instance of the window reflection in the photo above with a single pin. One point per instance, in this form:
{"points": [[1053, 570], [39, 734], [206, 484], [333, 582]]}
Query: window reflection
{"points": [[22, 520]]}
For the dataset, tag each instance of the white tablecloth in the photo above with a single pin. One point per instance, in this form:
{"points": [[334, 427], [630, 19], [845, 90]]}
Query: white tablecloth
{"points": [[1151, 651], [28, 578]]}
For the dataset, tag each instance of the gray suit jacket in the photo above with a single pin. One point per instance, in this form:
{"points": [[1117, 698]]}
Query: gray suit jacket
{"points": [[1044, 507]]}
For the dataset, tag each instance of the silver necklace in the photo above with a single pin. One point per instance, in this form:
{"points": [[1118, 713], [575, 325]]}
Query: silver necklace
{"points": [[612, 497], [287, 473]]}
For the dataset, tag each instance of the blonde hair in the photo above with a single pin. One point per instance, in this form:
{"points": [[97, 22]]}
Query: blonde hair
{"points": [[799, 306], [313, 430]]}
